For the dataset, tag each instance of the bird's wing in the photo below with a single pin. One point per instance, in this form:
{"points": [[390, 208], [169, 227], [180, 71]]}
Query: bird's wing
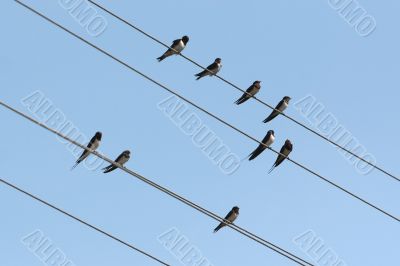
{"points": [[273, 114], [175, 43], [286, 149], [228, 215], [280, 105], [250, 89], [91, 142], [281, 156], [267, 137], [213, 66], [119, 158], [256, 152], [85, 152]]}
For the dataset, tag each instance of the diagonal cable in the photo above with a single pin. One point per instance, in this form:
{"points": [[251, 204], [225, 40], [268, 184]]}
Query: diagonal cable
{"points": [[210, 114], [242, 231], [82, 221], [238, 88]]}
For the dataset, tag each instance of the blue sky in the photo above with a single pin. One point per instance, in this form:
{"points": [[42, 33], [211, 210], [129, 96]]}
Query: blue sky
{"points": [[294, 48]]}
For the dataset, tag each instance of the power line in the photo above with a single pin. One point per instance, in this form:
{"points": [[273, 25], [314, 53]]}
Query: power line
{"points": [[210, 114], [214, 216], [82, 222], [238, 88]]}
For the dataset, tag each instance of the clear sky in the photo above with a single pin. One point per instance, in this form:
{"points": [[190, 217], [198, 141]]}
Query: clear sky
{"points": [[296, 48]]}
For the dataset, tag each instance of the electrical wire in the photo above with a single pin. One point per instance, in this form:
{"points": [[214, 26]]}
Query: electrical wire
{"points": [[210, 114], [82, 222], [238, 88], [250, 235]]}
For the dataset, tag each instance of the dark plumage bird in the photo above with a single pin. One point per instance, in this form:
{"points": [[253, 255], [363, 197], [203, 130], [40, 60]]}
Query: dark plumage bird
{"points": [[211, 69], [122, 158], [284, 153], [176, 47], [229, 218], [250, 92], [267, 141], [282, 105], [93, 145]]}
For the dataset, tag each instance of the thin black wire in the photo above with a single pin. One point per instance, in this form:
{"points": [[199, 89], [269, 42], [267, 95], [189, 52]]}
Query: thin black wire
{"points": [[82, 222], [210, 114], [238, 88], [172, 194]]}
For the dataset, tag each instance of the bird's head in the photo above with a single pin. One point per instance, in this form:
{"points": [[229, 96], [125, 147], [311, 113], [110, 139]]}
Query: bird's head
{"points": [[127, 152], [235, 209], [218, 60], [287, 99], [257, 82], [98, 135], [185, 39], [271, 132]]}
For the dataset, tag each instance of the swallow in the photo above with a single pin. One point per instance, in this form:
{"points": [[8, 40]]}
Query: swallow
{"points": [[122, 158], [93, 145], [250, 92], [282, 105], [267, 141], [176, 47], [284, 153], [229, 218], [211, 69]]}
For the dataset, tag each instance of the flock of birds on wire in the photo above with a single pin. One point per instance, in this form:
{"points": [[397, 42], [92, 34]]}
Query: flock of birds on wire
{"points": [[175, 49]]}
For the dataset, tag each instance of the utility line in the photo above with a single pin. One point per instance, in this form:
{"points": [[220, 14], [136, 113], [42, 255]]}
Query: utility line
{"points": [[82, 221], [238, 88], [210, 114], [214, 216]]}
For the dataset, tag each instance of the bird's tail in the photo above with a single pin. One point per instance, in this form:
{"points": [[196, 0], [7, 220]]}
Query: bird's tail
{"points": [[240, 100], [244, 158], [109, 169], [266, 120], [218, 227], [272, 168], [75, 165], [253, 155], [247, 157], [161, 58], [199, 75]]}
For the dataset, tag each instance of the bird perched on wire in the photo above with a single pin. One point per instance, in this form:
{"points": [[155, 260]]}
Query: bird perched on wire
{"points": [[211, 69], [229, 218], [284, 153], [122, 158], [93, 145], [282, 105], [266, 142], [250, 92], [176, 47]]}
